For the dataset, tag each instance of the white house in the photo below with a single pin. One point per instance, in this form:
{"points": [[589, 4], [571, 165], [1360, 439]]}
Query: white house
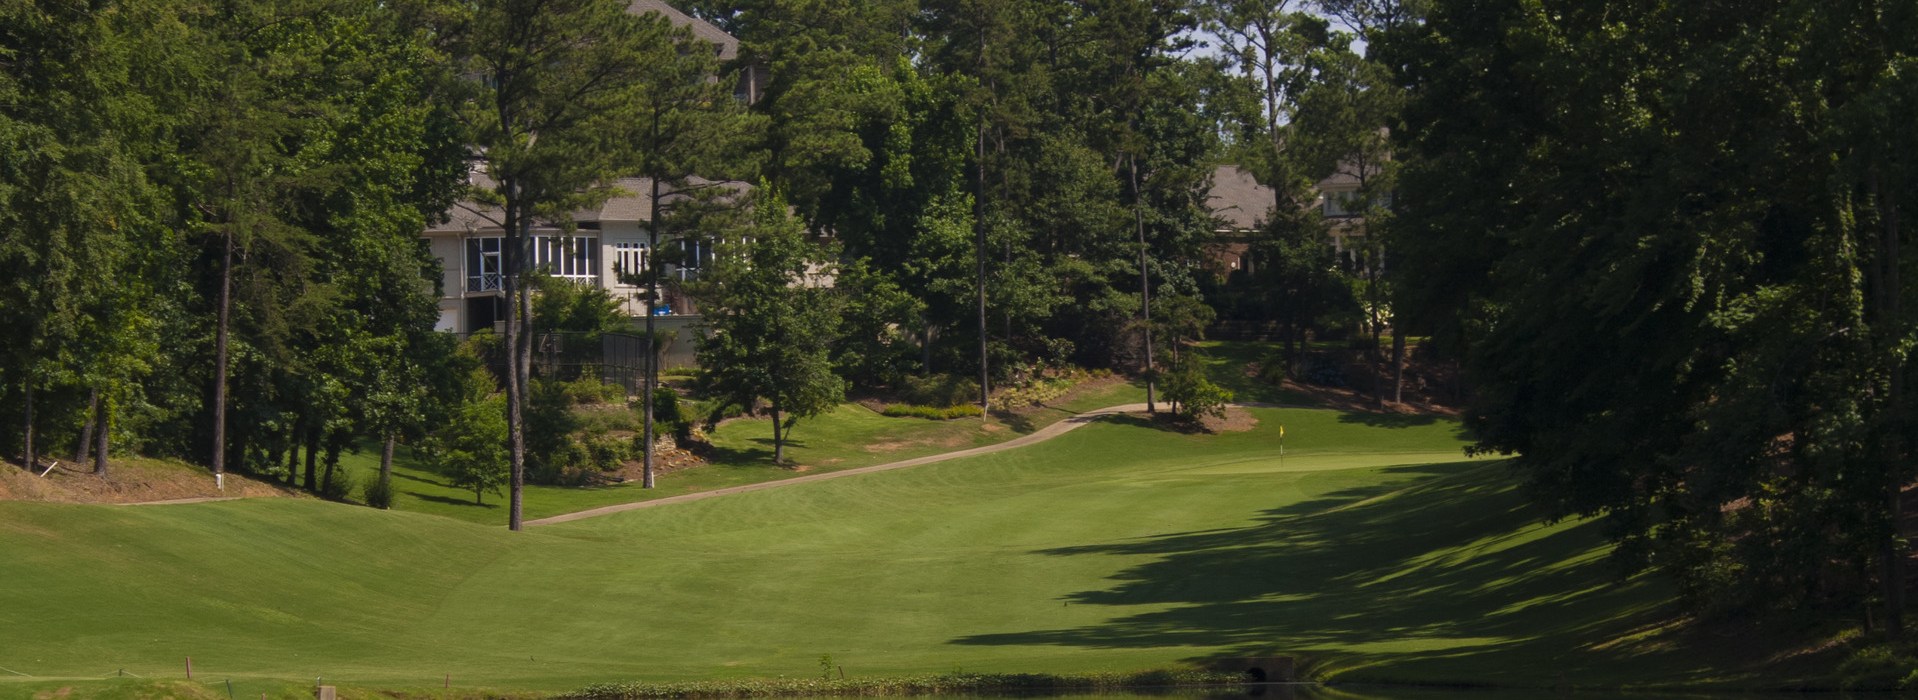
{"points": [[605, 240], [1242, 206]]}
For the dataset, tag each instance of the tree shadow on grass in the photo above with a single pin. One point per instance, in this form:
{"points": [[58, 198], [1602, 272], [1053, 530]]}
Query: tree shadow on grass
{"points": [[716, 455], [1388, 420], [1021, 423], [1163, 422], [397, 474], [1442, 573], [450, 500]]}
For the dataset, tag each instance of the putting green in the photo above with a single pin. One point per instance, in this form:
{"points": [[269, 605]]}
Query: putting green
{"points": [[1374, 546]]}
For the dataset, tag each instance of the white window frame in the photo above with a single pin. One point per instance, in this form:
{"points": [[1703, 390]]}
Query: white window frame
{"points": [[573, 258], [629, 257], [478, 279]]}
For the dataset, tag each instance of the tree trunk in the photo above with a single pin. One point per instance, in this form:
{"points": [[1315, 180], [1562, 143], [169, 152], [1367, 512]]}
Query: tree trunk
{"points": [[102, 436], [779, 439], [32, 459], [1145, 286], [293, 449], [515, 388], [332, 465], [1291, 346], [925, 350], [652, 338], [1889, 313], [312, 459], [276, 451], [1894, 563], [386, 463], [979, 254], [219, 357], [1378, 332], [525, 383], [85, 447], [1398, 365]]}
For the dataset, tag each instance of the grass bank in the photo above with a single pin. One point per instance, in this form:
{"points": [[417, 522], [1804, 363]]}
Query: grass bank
{"points": [[1373, 548], [848, 437]]}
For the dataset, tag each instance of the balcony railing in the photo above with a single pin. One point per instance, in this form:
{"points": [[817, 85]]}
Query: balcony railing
{"points": [[483, 283]]}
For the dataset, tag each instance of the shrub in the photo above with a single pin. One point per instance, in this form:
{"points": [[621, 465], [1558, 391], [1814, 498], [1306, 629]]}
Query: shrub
{"points": [[1273, 366], [471, 449], [1033, 393], [550, 424], [940, 390], [666, 405], [1187, 387], [900, 410], [379, 493], [337, 488], [605, 452], [670, 415], [589, 390]]}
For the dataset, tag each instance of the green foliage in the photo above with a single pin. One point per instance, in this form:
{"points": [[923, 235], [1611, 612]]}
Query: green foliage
{"points": [[378, 493], [670, 414], [1686, 319], [606, 453], [1192, 394], [939, 390], [900, 410], [878, 345], [338, 485], [564, 306], [667, 407], [772, 331], [1036, 391], [586, 391], [470, 450], [550, 424]]}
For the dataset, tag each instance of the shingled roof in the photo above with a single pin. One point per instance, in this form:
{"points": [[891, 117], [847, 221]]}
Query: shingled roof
{"points": [[632, 203], [702, 29], [1238, 199]]}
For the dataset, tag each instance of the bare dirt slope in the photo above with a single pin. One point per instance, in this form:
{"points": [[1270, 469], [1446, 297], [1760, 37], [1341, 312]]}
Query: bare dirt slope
{"points": [[127, 481]]}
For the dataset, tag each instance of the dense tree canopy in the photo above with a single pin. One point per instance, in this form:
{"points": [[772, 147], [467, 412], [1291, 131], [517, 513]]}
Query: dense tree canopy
{"points": [[1665, 239], [1667, 236]]}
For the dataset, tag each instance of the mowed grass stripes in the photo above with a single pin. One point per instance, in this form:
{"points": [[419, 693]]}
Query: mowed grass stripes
{"points": [[1120, 546]]}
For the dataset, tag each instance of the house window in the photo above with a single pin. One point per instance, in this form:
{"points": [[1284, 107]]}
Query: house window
{"points": [[1346, 204], [483, 264], [629, 258], [693, 254], [1339, 204], [575, 258]]}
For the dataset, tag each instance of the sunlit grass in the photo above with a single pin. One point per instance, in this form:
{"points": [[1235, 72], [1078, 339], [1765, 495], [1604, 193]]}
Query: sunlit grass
{"points": [[1375, 550]]}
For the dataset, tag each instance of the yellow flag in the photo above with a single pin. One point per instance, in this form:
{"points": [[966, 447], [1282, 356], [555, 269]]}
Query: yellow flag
{"points": [[1281, 432]]}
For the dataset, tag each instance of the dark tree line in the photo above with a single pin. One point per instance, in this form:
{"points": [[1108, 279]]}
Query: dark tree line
{"points": [[211, 234], [210, 229], [1668, 240]]}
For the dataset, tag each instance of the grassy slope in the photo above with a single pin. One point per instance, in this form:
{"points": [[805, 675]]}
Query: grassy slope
{"points": [[1115, 547], [848, 437]]}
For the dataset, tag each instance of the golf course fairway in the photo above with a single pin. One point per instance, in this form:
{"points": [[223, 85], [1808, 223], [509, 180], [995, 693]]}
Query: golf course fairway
{"points": [[1373, 550]]}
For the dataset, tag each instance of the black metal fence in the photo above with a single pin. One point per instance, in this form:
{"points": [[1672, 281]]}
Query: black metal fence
{"points": [[612, 358]]}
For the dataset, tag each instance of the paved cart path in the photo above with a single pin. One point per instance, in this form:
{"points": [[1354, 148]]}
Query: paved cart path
{"points": [[1041, 435]]}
